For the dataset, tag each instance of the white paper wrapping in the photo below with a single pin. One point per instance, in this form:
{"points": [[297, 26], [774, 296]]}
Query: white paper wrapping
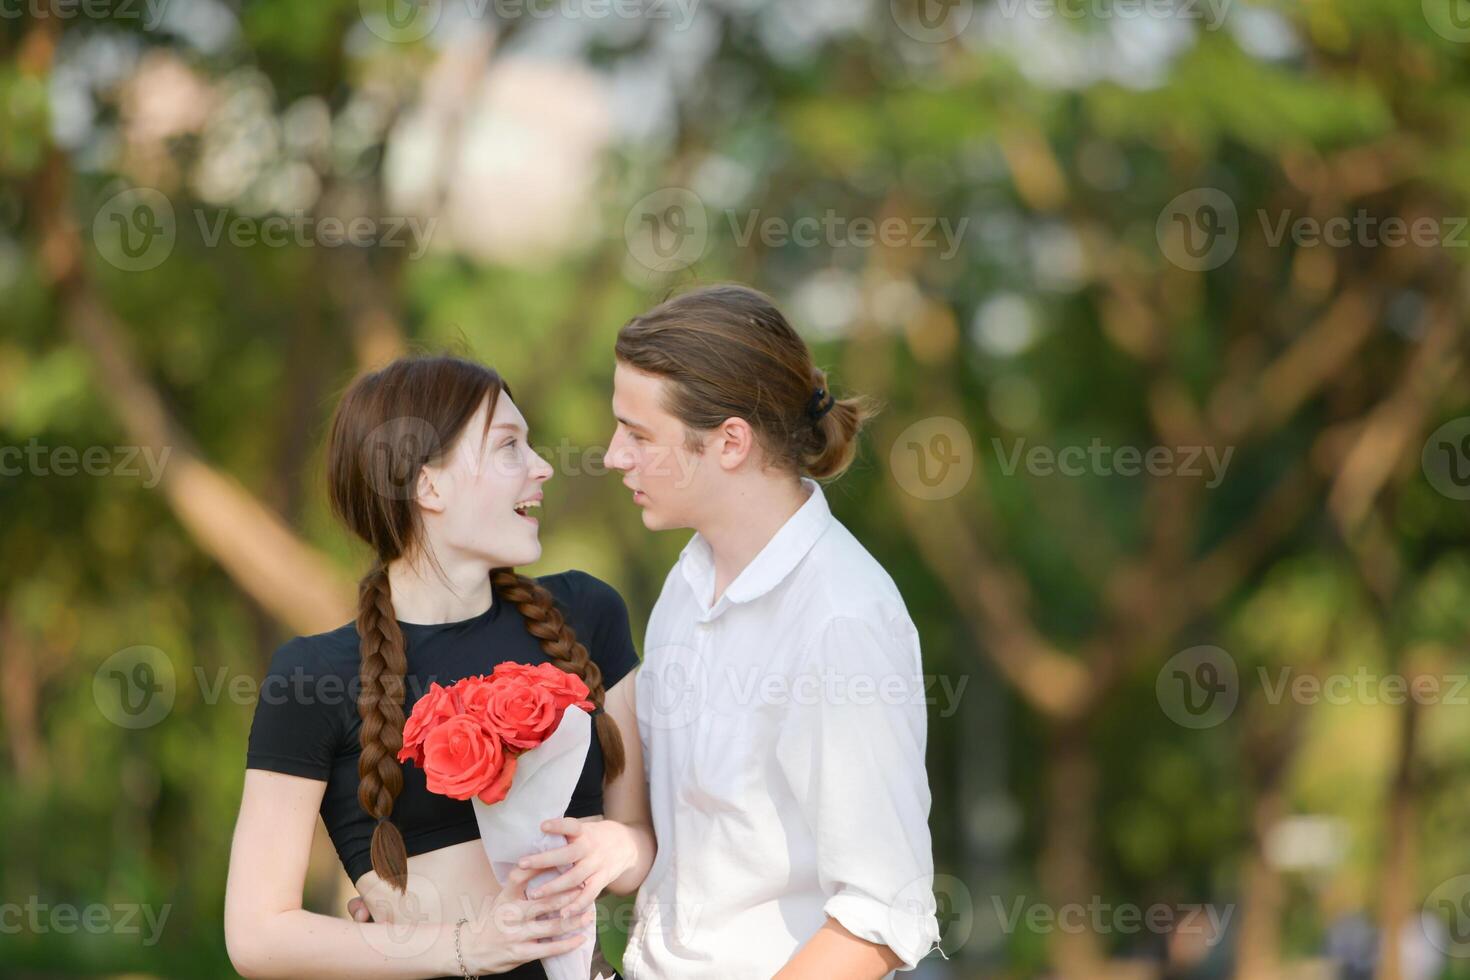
{"points": [[509, 830]]}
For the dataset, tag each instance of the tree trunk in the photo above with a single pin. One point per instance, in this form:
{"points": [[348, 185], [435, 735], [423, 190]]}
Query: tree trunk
{"points": [[1400, 859], [1066, 858], [1270, 747], [20, 695], [285, 575]]}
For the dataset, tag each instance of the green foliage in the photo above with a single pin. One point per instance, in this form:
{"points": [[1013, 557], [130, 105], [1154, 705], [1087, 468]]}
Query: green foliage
{"points": [[1063, 180]]}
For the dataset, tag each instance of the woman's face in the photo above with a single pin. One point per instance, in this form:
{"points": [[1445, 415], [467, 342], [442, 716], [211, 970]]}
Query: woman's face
{"points": [[480, 500]]}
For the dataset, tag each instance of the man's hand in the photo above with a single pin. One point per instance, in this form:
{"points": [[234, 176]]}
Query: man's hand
{"points": [[599, 852], [357, 910]]}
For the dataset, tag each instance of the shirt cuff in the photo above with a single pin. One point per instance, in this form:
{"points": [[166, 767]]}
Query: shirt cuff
{"points": [[911, 934]]}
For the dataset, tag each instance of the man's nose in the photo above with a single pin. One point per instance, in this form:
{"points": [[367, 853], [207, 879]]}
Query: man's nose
{"points": [[617, 457]]}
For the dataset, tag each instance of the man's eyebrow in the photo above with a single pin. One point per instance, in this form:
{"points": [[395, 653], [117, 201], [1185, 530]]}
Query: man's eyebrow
{"points": [[630, 423]]}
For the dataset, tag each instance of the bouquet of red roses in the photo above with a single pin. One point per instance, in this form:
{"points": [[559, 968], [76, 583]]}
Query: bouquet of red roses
{"points": [[514, 744], [467, 737]]}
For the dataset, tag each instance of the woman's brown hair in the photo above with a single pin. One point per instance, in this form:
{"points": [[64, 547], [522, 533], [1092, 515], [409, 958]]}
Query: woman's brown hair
{"points": [[389, 424], [727, 351]]}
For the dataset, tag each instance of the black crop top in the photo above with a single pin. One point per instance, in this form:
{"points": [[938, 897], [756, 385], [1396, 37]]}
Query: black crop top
{"points": [[306, 721]]}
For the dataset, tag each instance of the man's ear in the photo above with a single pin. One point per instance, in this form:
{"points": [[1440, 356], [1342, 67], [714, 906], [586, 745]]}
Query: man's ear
{"points": [[426, 491], [735, 442]]}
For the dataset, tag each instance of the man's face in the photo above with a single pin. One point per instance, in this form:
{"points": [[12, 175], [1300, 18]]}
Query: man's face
{"points": [[670, 483]]}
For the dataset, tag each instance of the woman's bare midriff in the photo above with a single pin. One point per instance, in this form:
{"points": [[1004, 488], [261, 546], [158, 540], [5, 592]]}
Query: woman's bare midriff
{"points": [[446, 885]]}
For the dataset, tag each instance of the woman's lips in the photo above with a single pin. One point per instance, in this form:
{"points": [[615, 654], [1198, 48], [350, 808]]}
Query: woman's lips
{"points": [[524, 509]]}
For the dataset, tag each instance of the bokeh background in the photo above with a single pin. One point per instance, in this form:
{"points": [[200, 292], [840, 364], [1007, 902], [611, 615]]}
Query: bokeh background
{"points": [[1164, 298]]}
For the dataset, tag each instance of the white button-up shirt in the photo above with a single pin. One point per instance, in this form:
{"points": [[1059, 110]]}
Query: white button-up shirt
{"points": [[783, 730]]}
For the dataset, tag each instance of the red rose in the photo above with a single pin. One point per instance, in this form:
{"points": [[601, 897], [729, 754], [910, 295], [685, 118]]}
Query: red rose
{"points": [[473, 693], [512, 669], [464, 759], [439, 704], [524, 713], [567, 688]]}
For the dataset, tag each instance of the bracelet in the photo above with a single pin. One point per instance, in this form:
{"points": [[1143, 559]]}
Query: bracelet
{"points": [[464, 970]]}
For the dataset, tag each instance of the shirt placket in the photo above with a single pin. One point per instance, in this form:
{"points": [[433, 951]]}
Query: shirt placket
{"points": [[703, 668]]}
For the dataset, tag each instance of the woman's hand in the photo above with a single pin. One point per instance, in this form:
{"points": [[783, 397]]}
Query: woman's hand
{"points": [[515, 929], [599, 851]]}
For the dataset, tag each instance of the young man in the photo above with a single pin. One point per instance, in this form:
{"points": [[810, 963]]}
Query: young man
{"points": [[780, 699]]}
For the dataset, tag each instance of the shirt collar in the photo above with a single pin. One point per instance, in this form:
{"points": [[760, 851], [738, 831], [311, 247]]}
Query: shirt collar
{"points": [[775, 561]]}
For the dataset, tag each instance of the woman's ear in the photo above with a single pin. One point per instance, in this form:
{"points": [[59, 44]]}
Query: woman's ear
{"points": [[426, 490]]}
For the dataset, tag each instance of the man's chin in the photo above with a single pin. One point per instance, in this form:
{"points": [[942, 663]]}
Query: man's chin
{"points": [[656, 521], [653, 521]]}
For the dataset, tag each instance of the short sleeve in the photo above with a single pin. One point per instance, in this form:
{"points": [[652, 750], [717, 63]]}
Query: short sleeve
{"points": [[604, 617], [854, 759], [296, 727]]}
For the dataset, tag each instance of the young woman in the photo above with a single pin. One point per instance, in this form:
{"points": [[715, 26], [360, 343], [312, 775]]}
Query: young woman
{"points": [[781, 693], [430, 464]]}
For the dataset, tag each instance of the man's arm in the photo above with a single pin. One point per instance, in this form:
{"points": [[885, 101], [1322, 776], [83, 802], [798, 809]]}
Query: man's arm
{"points": [[855, 764], [835, 952], [625, 799]]}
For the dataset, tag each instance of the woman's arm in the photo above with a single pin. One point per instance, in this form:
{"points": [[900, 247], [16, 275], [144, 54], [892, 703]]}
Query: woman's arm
{"points": [[614, 853], [269, 934]]}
